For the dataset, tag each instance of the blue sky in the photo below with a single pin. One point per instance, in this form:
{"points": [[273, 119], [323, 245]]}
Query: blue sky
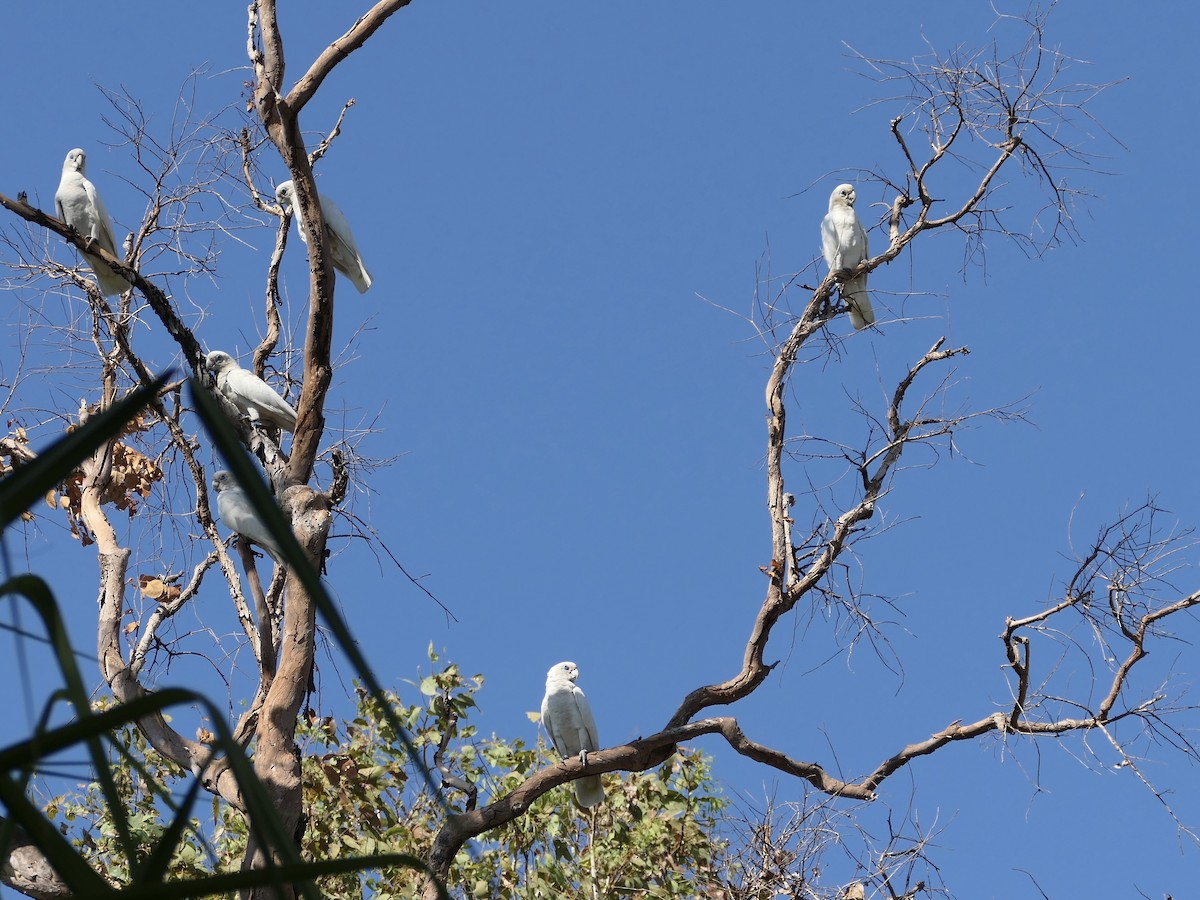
{"points": [[558, 205]]}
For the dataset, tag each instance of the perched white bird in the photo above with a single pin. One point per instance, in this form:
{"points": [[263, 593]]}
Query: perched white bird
{"points": [[340, 243], [855, 891], [567, 717], [844, 244], [78, 203], [233, 506], [249, 393]]}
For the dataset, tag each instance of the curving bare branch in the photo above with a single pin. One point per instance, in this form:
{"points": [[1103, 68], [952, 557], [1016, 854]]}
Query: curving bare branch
{"points": [[341, 48], [999, 109]]}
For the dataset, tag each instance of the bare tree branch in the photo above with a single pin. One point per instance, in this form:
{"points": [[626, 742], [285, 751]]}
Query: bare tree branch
{"points": [[24, 868], [366, 26], [159, 302]]}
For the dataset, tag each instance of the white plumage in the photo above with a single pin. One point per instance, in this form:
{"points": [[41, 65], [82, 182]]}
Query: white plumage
{"points": [[844, 244], [249, 393], [233, 506], [567, 718], [78, 203], [343, 251]]}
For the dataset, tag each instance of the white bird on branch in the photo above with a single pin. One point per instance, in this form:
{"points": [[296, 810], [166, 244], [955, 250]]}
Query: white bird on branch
{"points": [[249, 393], [844, 245], [343, 251], [567, 717], [233, 506], [78, 203]]}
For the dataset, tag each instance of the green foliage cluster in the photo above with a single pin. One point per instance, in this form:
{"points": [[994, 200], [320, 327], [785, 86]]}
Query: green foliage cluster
{"points": [[135, 826], [364, 794], [131, 831], [144, 782]]}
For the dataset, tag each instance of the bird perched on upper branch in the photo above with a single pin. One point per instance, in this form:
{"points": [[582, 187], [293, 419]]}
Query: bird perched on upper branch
{"points": [[249, 393], [78, 203], [844, 245], [343, 251], [567, 717]]}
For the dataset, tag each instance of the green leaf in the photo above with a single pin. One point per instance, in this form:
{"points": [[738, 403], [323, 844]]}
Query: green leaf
{"points": [[27, 485]]}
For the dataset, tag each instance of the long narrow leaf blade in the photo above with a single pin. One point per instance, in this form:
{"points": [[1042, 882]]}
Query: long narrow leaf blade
{"points": [[27, 485]]}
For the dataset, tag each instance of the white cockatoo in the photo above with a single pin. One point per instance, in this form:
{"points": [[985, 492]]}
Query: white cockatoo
{"points": [[233, 506], [78, 203], [844, 244], [343, 251], [567, 718], [855, 891], [249, 393]]}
